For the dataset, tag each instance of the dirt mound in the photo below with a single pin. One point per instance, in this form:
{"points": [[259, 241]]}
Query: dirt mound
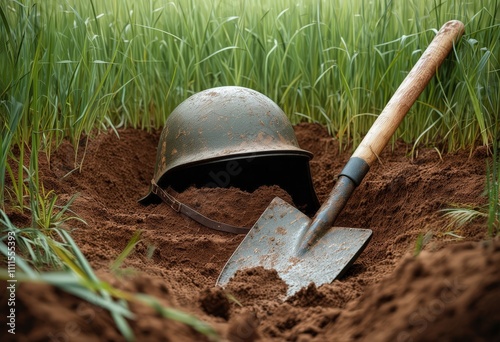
{"points": [[445, 293], [450, 295], [232, 206]]}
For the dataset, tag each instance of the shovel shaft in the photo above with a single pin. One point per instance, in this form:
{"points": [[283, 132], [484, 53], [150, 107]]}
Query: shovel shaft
{"points": [[326, 215], [382, 130]]}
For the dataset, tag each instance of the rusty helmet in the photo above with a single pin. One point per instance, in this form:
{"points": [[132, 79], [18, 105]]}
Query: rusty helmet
{"points": [[232, 136]]}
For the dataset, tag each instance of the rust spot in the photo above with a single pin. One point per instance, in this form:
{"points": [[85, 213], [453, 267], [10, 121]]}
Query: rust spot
{"points": [[281, 231], [263, 138], [163, 148], [282, 139], [294, 261], [181, 132], [174, 151]]}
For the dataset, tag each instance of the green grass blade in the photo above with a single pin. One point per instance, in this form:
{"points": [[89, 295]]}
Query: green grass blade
{"points": [[134, 240]]}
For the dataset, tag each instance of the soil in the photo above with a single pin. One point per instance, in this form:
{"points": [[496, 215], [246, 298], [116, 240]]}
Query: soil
{"points": [[448, 292]]}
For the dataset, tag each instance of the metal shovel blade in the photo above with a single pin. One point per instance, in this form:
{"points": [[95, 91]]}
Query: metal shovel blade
{"points": [[273, 243]]}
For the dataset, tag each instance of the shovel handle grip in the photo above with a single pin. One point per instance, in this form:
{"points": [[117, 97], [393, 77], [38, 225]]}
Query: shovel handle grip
{"points": [[405, 96]]}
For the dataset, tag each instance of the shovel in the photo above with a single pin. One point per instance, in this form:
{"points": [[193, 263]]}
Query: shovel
{"points": [[304, 251]]}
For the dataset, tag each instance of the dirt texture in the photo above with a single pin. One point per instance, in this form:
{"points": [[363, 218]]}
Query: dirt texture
{"points": [[448, 292]]}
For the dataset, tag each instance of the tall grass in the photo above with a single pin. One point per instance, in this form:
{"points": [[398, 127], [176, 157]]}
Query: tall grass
{"points": [[72, 66]]}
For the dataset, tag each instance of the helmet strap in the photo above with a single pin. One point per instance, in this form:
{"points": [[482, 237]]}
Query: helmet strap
{"points": [[169, 197]]}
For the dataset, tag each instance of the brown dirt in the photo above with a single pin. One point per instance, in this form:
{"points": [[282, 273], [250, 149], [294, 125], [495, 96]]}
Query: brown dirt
{"points": [[448, 292]]}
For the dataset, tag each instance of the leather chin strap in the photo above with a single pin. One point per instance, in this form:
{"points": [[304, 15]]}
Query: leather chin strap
{"points": [[169, 197]]}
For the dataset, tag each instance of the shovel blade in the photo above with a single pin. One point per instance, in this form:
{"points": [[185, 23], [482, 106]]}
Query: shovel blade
{"points": [[273, 243]]}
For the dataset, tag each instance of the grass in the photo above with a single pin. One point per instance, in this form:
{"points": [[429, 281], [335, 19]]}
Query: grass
{"points": [[461, 214], [71, 68]]}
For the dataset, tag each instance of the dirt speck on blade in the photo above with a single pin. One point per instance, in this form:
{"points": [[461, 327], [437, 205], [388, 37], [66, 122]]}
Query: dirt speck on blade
{"points": [[448, 292]]}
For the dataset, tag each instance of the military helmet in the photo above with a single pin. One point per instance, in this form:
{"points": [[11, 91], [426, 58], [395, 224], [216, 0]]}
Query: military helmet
{"points": [[232, 136]]}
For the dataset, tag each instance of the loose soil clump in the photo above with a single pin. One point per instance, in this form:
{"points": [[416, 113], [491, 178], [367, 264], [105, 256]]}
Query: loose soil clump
{"points": [[448, 292]]}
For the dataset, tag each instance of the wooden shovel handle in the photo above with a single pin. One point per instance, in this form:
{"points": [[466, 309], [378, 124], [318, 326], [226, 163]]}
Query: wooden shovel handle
{"points": [[389, 120], [381, 131]]}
